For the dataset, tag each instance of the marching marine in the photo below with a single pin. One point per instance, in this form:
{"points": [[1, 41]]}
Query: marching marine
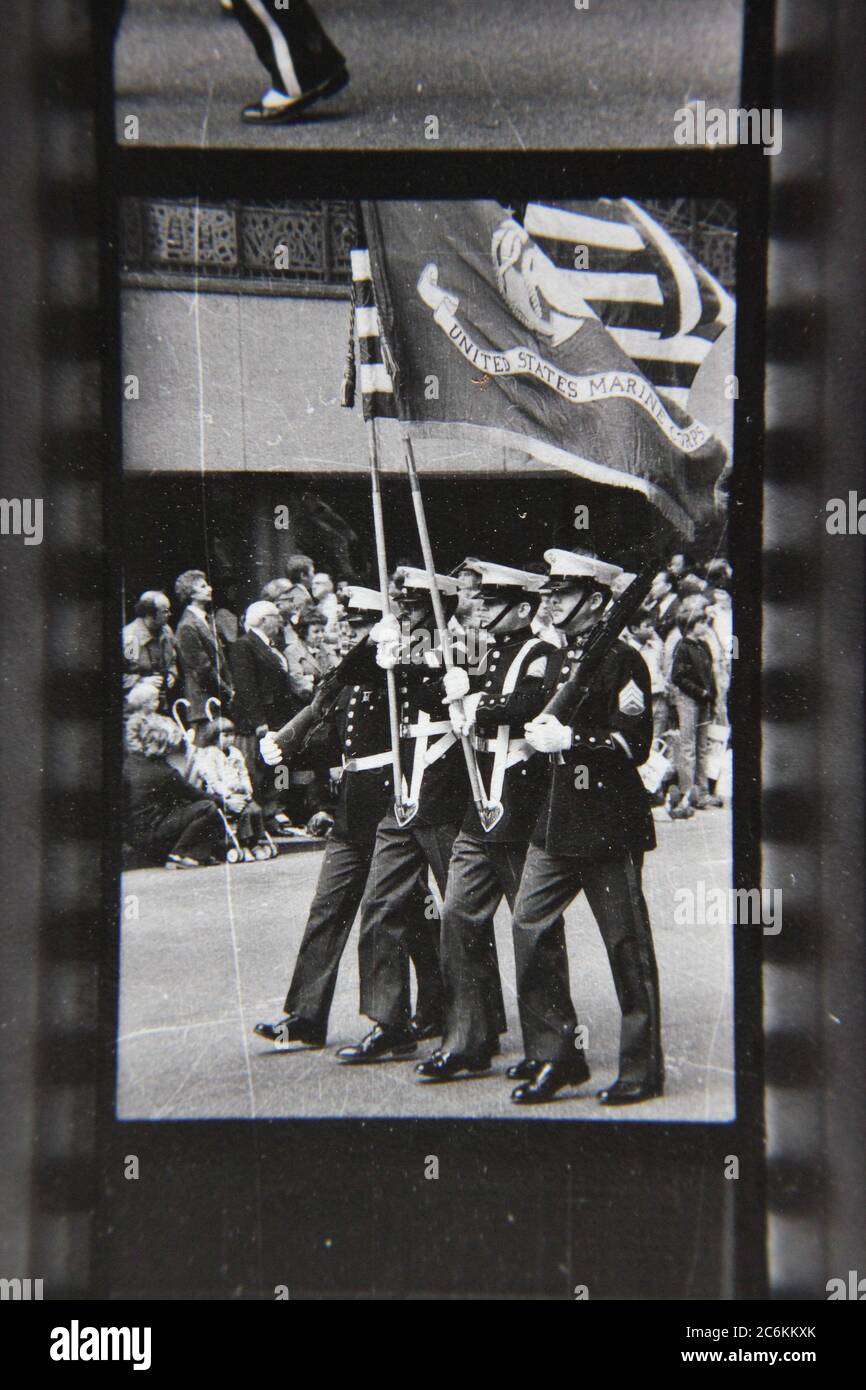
{"points": [[594, 828], [420, 829], [509, 686], [353, 733]]}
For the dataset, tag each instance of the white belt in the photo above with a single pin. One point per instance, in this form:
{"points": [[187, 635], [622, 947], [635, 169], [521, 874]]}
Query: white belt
{"points": [[365, 764], [425, 729], [424, 756], [518, 748]]}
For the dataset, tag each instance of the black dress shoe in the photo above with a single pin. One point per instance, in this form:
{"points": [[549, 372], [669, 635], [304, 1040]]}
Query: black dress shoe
{"points": [[629, 1092], [422, 1030], [291, 1029], [293, 107], [524, 1070], [550, 1078], [380, 1045], [445, 1066]]}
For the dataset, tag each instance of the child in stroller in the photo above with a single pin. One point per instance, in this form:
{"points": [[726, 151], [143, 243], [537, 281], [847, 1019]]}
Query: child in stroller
{"points": [[218, 767]]}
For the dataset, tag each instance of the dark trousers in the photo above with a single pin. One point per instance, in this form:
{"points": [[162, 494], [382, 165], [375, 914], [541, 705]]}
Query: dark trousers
{"points": [[194, 831], [547, 1016], [289, 42], [400, 856], [344, 871], [480, 874], [262, 777]]}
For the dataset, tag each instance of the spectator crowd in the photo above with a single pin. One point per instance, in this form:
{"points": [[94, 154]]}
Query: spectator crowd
{"points": [[685, 636], [198, 697]]}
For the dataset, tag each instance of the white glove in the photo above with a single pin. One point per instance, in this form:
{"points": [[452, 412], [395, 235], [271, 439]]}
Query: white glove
{"points": [[546, 735], [456, 683], [470, 714], [386, 655], [270, 750], [235, 804], [387, 629], [387, 636]]}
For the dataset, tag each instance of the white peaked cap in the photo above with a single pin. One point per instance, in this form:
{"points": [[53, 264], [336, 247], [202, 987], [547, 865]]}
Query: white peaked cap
{"points": [[408, 577], [564, 564], [367, 600], [504, 576]]}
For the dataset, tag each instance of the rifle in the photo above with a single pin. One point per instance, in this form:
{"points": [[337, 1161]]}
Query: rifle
{"points": [[567, 701], [294, 735]]}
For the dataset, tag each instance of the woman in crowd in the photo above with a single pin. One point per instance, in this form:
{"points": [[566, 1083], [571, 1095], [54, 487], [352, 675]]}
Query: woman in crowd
{"points": [[166, 819], [304, 656]]}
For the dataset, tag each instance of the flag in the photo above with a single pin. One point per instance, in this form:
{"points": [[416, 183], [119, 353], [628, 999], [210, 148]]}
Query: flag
{"points": [[663, 309], [472, 331]]}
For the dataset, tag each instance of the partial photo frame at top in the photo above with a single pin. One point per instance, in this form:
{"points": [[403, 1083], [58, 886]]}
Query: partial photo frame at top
{"points": [[304, 75]]}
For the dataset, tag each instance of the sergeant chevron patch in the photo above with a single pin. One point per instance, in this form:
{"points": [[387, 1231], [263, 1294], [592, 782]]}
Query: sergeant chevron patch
{"points": [[631, 699]]}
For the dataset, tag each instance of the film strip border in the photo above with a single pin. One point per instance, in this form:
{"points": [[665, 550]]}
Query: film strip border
{"points": [[813, 672], [59, 791]]}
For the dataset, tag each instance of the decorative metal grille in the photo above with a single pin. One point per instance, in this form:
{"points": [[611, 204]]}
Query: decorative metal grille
{"points": [[706, 228], [302, 247], [273, 248]]}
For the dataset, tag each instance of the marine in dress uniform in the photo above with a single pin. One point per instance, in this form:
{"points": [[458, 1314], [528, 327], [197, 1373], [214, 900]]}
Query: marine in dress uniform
{"points": [[592, 833], [510, 685], [355, 734], [303, 64], [436, 782]]}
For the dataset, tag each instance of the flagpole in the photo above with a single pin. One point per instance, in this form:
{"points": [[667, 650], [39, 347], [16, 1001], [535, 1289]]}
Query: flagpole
{"points": [[488, 812], [402, 810]]}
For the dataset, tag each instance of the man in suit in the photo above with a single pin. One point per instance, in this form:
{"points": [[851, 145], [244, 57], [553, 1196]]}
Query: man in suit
{"points": [[354, 736], [593, 830], [262, 699], [202, 656], [436, 788], [508, 686], [303, 64]]}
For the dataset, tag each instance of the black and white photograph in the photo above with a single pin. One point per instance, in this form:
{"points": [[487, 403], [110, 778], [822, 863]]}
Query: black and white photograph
{"points": [[432, 575], [338, 851], [408, 74]]}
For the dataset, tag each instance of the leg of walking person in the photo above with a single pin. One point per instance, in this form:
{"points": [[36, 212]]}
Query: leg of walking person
{"points": [[614, 893], [340, 886]]}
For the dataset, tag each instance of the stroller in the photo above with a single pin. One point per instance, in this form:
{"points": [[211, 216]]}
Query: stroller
{"points": [[223, 775]]}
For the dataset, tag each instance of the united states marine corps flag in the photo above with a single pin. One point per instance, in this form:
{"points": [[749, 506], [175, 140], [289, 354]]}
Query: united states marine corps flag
{"points": [[470, 330]]}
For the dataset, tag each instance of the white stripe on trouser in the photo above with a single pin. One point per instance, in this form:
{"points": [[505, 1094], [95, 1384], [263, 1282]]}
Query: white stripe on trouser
{"points": [[282, 54]]}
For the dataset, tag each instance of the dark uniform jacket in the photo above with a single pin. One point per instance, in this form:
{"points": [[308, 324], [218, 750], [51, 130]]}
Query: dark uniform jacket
{"points": [[532, 679], [152, 790], [444, 785], [604, 813], [203, 663], [356, 727], [261, 686]]}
